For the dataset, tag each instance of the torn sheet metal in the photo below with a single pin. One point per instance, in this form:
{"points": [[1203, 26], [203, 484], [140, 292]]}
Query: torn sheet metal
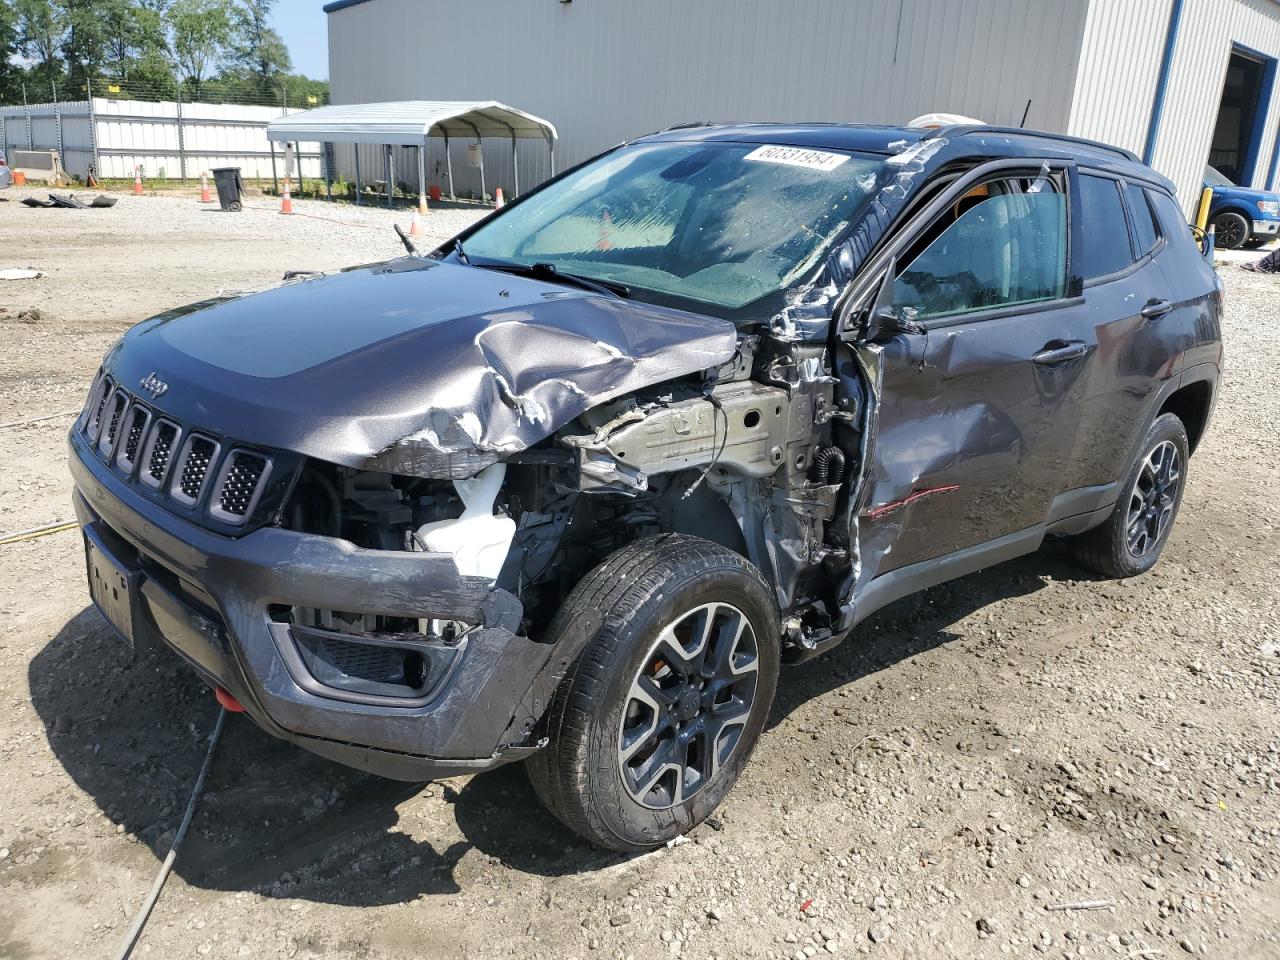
{"points": [[808, 313], [414, 366]]}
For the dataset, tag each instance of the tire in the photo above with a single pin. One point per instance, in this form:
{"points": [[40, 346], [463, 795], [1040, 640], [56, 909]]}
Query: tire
{"points": [[1231, 230], [610, 730], [1148, 504]]}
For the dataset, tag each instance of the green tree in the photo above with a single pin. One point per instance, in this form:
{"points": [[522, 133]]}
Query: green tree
{"points": [[41, 30], [85, 46], [202, 30], [258, 49], [134, 37], [10, 72]]}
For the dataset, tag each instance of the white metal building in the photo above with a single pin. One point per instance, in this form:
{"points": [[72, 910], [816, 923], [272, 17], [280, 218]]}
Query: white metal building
{"points": [[1172, 80]]}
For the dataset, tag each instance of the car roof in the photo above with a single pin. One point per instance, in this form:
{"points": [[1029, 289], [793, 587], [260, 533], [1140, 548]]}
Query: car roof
{"points": [[960, 140]]}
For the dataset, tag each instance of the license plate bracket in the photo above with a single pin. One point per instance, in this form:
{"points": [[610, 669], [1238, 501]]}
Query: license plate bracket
{"points": [[113, 587]]}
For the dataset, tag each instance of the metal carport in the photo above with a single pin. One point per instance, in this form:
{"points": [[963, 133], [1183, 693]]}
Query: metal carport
{"points": [[410, 123]]}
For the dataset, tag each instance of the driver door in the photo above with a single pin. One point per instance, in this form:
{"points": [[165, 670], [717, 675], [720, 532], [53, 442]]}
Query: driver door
{"points": [[979, 405]]}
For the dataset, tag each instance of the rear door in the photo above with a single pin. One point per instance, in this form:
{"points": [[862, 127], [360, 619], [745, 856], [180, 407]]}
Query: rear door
{"points": [[979, 409], [1129, 298]]}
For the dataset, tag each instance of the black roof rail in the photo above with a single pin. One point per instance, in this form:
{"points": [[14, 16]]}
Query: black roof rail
{"points": [[962, 129], [691, 124]]}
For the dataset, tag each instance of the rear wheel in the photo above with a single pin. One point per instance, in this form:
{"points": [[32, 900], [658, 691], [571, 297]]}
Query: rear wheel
{"points": [[658, 715], [1130, 541], [1231, 230]]}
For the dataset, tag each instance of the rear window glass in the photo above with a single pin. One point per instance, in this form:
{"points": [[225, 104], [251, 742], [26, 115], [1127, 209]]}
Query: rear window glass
{"points": [[1173, 220], [1105, 248], [1144, 226]]}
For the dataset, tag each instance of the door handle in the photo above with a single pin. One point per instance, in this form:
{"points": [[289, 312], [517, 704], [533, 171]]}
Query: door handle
{"points": [[1060, 351], [1156, 308]]}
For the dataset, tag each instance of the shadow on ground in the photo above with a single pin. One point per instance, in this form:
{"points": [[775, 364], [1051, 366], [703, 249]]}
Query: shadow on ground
{"points": [[133, 733]]}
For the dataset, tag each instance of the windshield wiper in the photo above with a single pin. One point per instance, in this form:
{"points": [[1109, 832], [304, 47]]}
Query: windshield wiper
{"points": [[456, 246], [549, 272]]}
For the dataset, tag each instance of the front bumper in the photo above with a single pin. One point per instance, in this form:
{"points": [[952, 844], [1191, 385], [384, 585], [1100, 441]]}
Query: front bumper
{"points": [[209, 598]]}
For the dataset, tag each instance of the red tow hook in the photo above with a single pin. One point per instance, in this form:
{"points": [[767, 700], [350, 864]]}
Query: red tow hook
{"points": [[229, 703]]}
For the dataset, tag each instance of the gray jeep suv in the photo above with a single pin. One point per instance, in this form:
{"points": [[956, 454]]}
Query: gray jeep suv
{"points": [[570, 488]]}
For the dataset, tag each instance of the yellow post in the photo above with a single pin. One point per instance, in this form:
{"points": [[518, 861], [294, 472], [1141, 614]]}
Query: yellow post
{"points": [[1202, 217]]}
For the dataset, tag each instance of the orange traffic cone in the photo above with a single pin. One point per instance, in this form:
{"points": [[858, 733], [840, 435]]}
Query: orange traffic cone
{"points": [[499, 201], [204, 188], [137, 181], [415, 225], [286, 201], [606, 221]]}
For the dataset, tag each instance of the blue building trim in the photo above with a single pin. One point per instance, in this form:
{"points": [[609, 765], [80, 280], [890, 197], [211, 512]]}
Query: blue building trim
{"points": [[1259, 118], [1271, 182], [342, 5], [1162, 84]]}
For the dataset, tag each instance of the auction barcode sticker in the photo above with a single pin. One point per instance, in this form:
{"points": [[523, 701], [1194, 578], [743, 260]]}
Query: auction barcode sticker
{"points": [[797, 157]]}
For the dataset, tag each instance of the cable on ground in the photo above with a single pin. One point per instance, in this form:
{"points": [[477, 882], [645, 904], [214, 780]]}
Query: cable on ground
{"points": [[135, 931], [35, 532]]}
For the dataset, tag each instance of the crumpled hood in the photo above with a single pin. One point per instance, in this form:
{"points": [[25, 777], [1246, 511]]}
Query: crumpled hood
{"points": [[413, 366]]}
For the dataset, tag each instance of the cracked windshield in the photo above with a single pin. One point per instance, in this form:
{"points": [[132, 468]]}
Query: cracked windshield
{"points": [[721, 224]]}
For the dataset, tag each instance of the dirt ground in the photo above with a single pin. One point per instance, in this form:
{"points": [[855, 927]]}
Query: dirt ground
{"points": [[974, 761]]}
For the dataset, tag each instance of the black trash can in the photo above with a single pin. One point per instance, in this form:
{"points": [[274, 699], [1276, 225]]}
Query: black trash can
{"points": [[230, 187]]}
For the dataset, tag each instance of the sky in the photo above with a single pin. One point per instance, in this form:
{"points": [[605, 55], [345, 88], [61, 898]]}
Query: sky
{"points": [[302, 25]]}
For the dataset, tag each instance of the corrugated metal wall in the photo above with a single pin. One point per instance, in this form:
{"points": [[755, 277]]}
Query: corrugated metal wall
{"points": [[1124, 42], [1119, 67], [607, 70], [132, 133]]}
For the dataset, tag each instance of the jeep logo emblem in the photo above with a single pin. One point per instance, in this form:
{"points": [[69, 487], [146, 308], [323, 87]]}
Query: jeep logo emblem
{"points": [[153, 385]]}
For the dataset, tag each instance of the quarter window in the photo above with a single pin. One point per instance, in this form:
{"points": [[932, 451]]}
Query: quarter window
{"points": [[1002, 244], [1103, 245], [1144, 226]]}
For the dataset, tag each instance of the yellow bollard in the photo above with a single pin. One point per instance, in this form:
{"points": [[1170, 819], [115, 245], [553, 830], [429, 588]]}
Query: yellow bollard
{"points": [[1202, 217]]}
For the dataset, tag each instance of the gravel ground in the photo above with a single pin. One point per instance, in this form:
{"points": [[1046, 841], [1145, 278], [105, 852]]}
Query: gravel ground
{"points": [[1026, 762]]}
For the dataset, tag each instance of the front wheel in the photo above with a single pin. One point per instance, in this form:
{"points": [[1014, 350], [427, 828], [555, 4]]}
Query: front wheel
{"points": [[657, 717], [1130, 541]]}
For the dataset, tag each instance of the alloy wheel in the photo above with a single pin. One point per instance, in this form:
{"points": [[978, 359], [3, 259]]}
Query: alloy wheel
{"points": [[1231, 232], [1153, 498], [688, 705]]}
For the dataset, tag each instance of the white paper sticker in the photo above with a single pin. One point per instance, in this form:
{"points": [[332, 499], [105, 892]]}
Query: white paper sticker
{"points": [[797, 157]]}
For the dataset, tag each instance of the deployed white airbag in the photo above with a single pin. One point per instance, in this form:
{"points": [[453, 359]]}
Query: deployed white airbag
{"points": [[478, 540]]}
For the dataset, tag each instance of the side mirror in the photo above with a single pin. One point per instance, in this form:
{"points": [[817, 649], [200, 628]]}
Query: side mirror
{"points": [[884, 320], [887, 322]]}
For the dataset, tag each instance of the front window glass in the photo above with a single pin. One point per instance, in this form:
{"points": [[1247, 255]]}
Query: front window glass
{"points": [[723, 224], [1004, 243]]}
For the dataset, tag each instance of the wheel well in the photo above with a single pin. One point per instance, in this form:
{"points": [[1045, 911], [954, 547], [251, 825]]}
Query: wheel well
{"points": [[1242, 211], [1190, 404]]}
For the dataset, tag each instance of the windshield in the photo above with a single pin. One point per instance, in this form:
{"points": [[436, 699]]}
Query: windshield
{"points": [[723, 224], [1215, 179]]}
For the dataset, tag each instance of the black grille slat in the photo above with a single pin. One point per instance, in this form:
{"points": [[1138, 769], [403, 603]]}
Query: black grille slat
{"points": [[240, 482], [195, 466], [116, 406], [138, 420], [97, 403], [166, 434]]}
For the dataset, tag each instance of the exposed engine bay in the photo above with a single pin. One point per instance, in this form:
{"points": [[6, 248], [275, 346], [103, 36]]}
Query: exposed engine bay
{"points": [[760, 454]]}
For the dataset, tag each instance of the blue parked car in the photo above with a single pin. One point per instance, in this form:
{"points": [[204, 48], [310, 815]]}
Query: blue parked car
{"points": [[1243, 217]]}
